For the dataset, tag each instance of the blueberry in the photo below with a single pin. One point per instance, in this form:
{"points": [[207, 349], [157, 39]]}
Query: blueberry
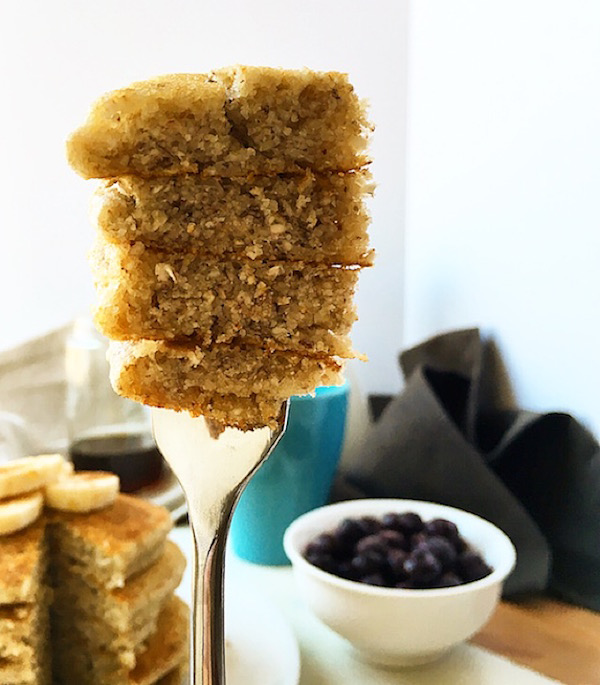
{"points": [[369, 525], [405, 584], [393, 539], [460, 544], [470, 566], [375, 579], [368, 562], [395, 561], [345, 570], [448, 579], [349, 531], [443, 549], [418, 539], [409, 523], [422, 567], [321, 560], [371, 542], [325, 543], [392, 521], [442, 527]]}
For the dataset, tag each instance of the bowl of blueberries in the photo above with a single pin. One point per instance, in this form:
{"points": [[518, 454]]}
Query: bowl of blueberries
{"points": [[402, 580]]}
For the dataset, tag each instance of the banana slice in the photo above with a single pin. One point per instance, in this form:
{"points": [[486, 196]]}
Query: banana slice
{"points": [[66, 470], [83, 491], [18, 513], [30, 473]]}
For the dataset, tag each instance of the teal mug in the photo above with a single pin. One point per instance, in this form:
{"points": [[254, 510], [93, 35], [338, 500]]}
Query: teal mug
{"points": [[296, 478]]}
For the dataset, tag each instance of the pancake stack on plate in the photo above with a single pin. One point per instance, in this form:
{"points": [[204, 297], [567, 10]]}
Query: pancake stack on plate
{"points": [[24, 602], [231, 231], [86, 583], [115, 619]]}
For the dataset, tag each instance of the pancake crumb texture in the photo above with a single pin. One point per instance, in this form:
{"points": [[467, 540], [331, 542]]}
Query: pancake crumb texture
{"points": [[231, 229]]}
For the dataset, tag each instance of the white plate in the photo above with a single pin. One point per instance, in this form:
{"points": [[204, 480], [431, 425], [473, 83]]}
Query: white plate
{"points": [[260, 647]]}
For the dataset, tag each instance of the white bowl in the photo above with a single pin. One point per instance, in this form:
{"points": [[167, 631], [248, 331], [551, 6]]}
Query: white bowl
{"points": [[400, 627]]}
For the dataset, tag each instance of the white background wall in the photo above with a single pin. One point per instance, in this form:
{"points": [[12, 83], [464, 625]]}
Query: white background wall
{"points": [[503, 223], [503, 216], [59, 56]]}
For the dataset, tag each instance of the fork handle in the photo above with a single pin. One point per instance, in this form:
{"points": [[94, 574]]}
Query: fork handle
{"points": [[212, 469], [208, 626]]}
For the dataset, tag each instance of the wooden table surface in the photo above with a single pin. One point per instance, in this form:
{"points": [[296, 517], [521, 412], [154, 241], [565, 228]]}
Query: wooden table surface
{"points": [[555, 639]]}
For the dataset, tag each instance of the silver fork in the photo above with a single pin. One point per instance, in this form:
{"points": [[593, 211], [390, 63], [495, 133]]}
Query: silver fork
{"points": [[213, 468]]}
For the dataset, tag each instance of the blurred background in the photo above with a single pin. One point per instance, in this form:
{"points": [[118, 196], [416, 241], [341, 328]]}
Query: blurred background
{"points": [[486, 154]]}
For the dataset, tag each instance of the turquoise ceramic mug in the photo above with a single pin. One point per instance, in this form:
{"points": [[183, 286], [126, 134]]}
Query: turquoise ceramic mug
{"points": [[296, 477]]}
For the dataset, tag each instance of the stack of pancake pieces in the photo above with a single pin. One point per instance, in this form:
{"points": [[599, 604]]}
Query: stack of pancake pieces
{"points": [[87, 581], [231, 230]]}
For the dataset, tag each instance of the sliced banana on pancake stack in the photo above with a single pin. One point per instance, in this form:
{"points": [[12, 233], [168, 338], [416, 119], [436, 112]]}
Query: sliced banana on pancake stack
{"points": [[27, 483], [83, 491], [19, 512]]}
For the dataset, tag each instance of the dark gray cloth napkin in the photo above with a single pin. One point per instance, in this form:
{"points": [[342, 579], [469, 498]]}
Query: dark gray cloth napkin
{"points": [[536, 476]]}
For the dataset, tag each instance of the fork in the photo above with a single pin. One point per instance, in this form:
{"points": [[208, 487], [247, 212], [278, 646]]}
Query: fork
{"points": [[213, 468]]}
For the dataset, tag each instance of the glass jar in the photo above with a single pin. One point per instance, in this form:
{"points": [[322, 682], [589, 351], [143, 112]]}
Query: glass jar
{"points": [[106, 432]]}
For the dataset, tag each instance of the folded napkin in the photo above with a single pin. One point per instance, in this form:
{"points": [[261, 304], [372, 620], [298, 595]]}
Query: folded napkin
{"points": [[536, 476], [33, 396]]}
